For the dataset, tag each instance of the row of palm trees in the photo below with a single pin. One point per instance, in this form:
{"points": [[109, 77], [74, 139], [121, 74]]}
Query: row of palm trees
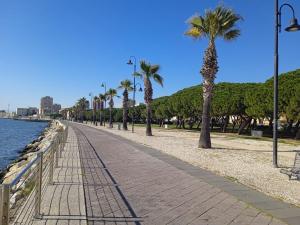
{"points": [[147, 73], [218, 23]]}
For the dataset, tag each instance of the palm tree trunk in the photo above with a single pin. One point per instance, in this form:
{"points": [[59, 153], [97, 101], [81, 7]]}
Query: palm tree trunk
{"points": [[100, 118], [125, 110], [208, 71], [204, 141], [148, 125], [110, 118], [148, 99]]}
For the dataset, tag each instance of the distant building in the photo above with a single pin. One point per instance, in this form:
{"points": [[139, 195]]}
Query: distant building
{"points": [[22, 111], [46, 106], [56, 108], [33, 111], [2, 113]]}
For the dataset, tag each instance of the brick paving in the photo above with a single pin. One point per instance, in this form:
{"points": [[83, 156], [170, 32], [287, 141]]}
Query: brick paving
{"points": [[128, 183]]}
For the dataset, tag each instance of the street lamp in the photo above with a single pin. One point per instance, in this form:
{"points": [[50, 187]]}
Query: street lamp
{"points": [[104, 85], [294, 26], [92, 105], [134, 87]]}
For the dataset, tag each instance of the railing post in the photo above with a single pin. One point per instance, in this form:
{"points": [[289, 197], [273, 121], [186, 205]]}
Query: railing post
{"points": [[51, 164], [56, 149], [4, 204], [38, 187], [61, 142]]}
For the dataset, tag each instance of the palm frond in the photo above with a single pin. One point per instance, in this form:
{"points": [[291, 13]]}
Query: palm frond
{"points": [[193, 32], [196, 29], [145, 67], [137, 74], [154, 69], [159, 79], [219, 22], [102, 97], [232, 34], [125, 84]]}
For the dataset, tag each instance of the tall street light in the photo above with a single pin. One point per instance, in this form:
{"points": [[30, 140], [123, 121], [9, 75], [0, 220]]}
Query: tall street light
{"points": [[104, 85], [92, 105], [294, 26], [134, 88]]}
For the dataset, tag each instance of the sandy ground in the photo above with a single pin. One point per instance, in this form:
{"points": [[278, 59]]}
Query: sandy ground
{"points": [[246, 160]]}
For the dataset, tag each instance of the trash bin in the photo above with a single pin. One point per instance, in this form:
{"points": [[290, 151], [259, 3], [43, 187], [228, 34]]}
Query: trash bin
{"points": [[119, 126]]}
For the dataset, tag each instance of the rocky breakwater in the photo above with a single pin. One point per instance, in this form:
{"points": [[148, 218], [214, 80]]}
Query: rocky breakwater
{"points": [[31, 150]]}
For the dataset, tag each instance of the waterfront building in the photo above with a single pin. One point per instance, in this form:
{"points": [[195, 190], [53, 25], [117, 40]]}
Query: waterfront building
{"points": [[46, 105], [56, 108], [2, 113], [22, 112], [33, 111]]}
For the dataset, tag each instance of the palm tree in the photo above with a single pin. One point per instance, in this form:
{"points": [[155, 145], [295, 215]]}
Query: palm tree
{"points": [[101, 107], [111, 93], [127, 86], [218, 23], [149, 71], [81, 106]]}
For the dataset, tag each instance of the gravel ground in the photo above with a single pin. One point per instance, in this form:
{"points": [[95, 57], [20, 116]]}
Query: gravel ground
{"points": [[248, 161]]}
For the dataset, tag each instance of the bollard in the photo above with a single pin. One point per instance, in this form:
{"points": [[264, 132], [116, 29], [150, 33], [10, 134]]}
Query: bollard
{"points": [[4, 204], [38, 187]]}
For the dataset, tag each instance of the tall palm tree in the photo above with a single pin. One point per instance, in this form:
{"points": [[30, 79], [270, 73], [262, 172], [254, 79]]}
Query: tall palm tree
{"points": [[81, 105], [218, 23], [111, 93], [126, 85], [149, 71], [101, 106]]}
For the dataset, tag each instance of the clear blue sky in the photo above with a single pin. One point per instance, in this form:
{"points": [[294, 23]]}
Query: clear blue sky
{"points": [[66, 48]]}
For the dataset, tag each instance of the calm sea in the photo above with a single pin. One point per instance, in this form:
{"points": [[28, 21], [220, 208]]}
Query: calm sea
{"points": [[14, 136]]}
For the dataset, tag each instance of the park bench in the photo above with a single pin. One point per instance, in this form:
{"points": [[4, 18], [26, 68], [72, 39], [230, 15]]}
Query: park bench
{"points": [[294, 172]]}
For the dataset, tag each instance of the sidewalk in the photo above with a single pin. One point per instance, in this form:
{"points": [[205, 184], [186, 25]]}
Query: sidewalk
{"points": [[63, 202], [128, 183], [103, 179]]}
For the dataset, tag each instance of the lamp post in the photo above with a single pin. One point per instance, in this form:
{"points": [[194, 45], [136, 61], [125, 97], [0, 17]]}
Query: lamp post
{"points": [[134, 88], [104, 85], [92, 105], [294, 26]]}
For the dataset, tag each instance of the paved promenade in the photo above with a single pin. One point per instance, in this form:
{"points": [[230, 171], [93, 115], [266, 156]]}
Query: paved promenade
{"points": [[127, 183], [105, 179], [63, 202]]}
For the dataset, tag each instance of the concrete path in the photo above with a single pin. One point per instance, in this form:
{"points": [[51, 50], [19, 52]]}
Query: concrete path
{"points": [[128, 183]]}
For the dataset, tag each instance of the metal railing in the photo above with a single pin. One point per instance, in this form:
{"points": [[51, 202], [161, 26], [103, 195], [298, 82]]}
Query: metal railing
{"points": [[21, 199]]}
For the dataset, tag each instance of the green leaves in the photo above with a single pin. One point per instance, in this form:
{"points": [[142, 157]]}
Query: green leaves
{"points": [[158, 79], [150, 71], [220, 22], [126, 85], [232, 35], [232, 99]]}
